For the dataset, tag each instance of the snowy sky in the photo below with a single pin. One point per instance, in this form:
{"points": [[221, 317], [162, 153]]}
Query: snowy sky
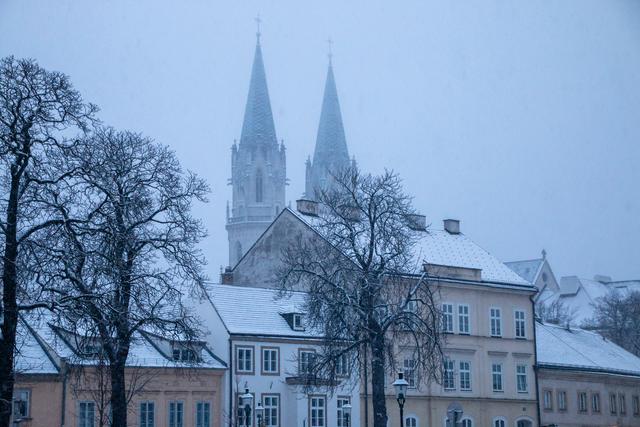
{"points": [[522, 119]]}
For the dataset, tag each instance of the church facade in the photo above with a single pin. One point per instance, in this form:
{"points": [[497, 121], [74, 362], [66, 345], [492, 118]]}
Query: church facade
{"points": [[259, 166]]}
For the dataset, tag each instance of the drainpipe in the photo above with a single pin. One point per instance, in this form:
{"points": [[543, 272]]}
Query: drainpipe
{"points": [[366, 390], [65, 372], [231, 398], [535, 359]]}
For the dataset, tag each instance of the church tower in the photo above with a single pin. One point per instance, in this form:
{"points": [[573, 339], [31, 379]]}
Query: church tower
{"points": [[258, 168], [331, 152]]}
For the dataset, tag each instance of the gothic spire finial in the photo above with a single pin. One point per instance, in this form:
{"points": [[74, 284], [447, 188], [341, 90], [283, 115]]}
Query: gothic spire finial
{"points": [[258, 22], [330, 54]]}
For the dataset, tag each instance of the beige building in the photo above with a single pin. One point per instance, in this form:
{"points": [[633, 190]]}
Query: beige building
{"points": [[56, 387], [488, 310], [585, 380]]}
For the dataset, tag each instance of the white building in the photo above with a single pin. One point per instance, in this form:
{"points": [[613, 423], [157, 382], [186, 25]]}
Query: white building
{"points": [[267, 348]]}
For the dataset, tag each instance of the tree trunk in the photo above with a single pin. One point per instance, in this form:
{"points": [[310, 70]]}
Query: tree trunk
{"points": [[118, 393], [9, 312], [378, 400]]}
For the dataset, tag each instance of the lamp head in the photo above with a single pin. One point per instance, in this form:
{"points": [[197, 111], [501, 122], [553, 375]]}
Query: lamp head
{"points": [[400, 385], [246, 398]]}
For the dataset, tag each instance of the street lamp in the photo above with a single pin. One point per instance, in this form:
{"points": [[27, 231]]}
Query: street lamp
{"points": [[259, 413], [401, 385], [454, 414], [247, 399], [346, 410]]}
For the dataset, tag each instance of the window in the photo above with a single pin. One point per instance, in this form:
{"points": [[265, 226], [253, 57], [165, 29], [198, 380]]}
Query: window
{"points": [[203, 414], [595, 402], [466, 422], [496, 373], [463, 319], [409, 368], [465, 376], [496, 322], [411, 422], [521, 378], [184, 355], [270, 360], [447, 318], [21, 404], [86, 414], [176, 414], [635, 401], [519, 316], [147, 414], [259, 186], [524, 423], [244, 360], [342, 365], [548, 400], [562, 400], [298, 324], [623, 404], [449, 379], [306, 361], [342, 416], [317, 411], [582, 401], [271, 404], [612, 403], [241, 411], [499, 422]]}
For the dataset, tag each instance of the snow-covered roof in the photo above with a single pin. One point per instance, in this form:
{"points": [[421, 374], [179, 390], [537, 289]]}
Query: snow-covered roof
{"points": [[440, 247], [257, 311], [457, 250], [558, 347], [528, 269], [31, 357], [143, 352]]}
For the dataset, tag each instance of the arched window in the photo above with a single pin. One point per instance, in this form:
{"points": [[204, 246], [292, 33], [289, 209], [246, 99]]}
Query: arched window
{"points": [[466, 422], [524, 422], [411, 421], [499, 422], [259, 186]]}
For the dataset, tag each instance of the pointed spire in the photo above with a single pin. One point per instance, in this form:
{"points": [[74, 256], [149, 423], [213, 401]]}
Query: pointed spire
{"points": [[258, 124], [331, 144]]}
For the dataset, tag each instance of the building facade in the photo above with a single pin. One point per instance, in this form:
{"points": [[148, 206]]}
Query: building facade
{"points": [[585, 380], [269, 351], [169, 384]]}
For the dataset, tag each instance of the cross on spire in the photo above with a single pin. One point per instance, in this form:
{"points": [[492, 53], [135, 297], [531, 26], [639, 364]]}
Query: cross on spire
{"points": [[258, 22], [330, 54]]}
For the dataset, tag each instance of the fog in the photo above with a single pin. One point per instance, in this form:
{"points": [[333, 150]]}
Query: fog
{"points": [[522, 119]]}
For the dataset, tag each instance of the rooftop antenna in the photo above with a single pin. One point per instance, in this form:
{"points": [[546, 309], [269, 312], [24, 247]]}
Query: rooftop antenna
{"points": [[258, 22]]}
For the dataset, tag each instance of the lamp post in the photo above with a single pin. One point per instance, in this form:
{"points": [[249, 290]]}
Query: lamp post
{"points": [[346, 410], [247, 399], [400, 385], [454, 414], [259, 413]]}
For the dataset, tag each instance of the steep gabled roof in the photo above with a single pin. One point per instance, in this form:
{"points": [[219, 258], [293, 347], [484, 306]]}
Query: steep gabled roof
{"points": [[258, 124], [528, 270]]}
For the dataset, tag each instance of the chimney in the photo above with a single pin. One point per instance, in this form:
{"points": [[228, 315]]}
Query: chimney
{"points": [[226, 277], [417, 222], [452, 226], [307, 207]]}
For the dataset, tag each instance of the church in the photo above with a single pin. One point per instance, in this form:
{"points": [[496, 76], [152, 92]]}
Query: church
{"points": [[259, 162]]}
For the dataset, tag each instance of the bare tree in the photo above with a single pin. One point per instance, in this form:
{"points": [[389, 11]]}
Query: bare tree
{"points": [[617, 317], [128, 243], [364, 291], [556, 312], [39, 111]]}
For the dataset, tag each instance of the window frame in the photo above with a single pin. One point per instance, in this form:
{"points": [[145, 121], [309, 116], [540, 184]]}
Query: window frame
{"points": [[524, 324], [581, 394], [92, 422], [613, 403], [452, 371], [524, 375], [345, 371], [153, 413], [563, 407], [411, 417], [340, 416], [467, 319], [448, 315], [500, 374], [210, 411], [622, 404], [547, 392], [300, 352], [503, 420], [264, 349], [467, 371], [239, 371], [596, 403], [177, 403], [13, 402], [498, 322], [297, 322], [323, 397], [410, 374], [635, 403], [278, 407]]}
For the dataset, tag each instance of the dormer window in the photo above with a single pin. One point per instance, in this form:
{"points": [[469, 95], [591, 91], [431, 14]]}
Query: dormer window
{"points": [[298, 325], [184, 354]]}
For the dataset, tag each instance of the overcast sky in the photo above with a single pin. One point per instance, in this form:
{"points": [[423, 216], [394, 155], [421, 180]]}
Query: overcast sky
{"points": [[522, 119]]}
